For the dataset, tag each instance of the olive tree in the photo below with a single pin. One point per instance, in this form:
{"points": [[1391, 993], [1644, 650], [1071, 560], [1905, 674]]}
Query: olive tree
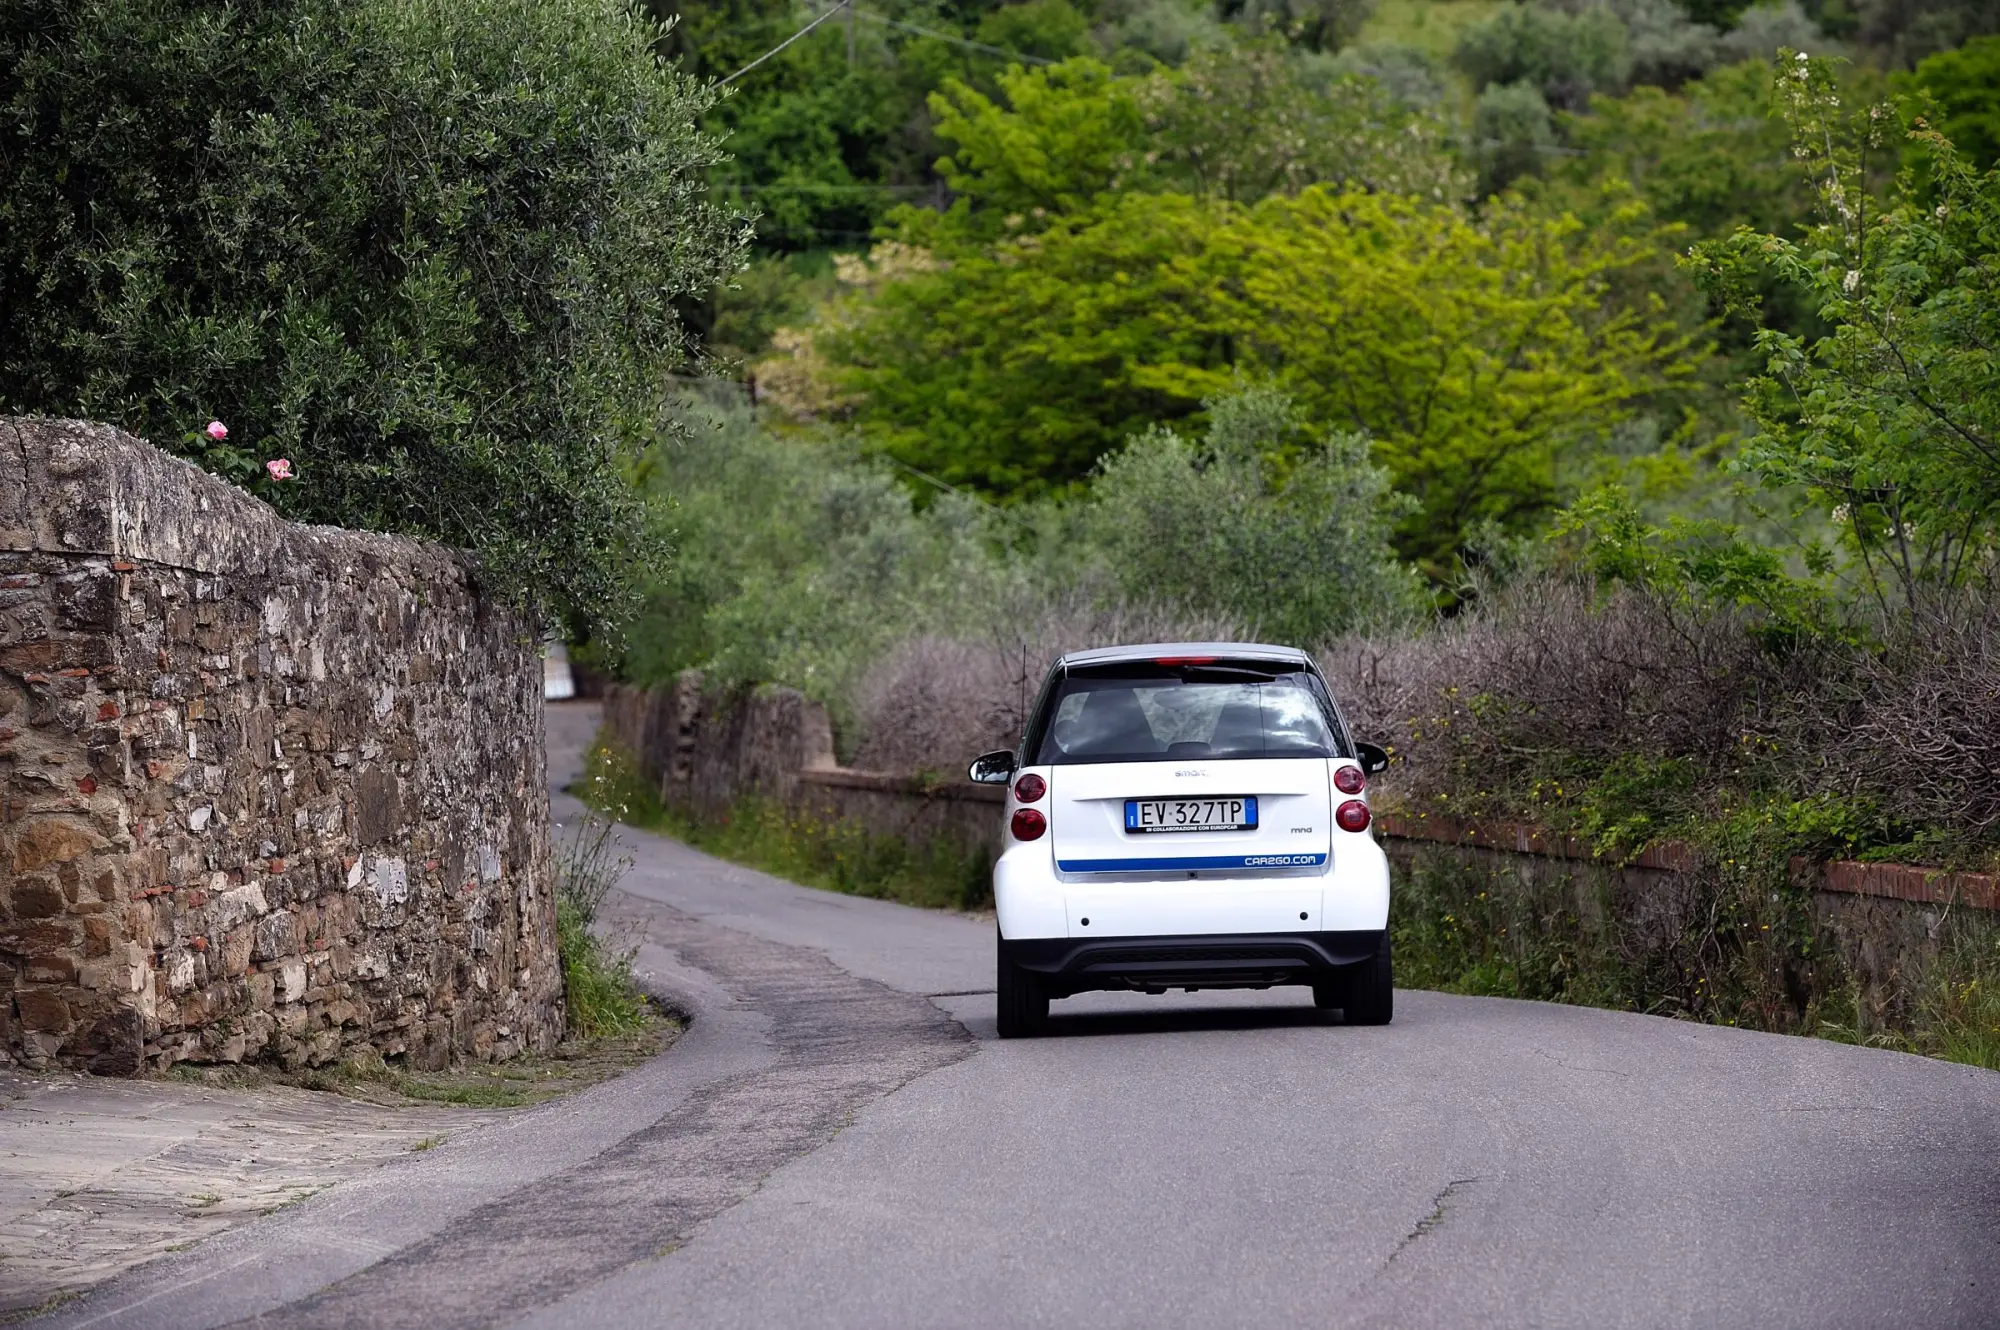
{"points": [[426, 252]]}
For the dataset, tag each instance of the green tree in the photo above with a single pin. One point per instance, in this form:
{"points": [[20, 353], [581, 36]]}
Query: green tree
{"points": [[1257, 118], [1316, 25], [1236, 123], [1057, 138], [1250, 523], [427, 251], [801, 562], [1482, 356], [1713, 156], [1012, 367], [1892, 418], [1512, 134], [1566, 56], [1965, 84]]}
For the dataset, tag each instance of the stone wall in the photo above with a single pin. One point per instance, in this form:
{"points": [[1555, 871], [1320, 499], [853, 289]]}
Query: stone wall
{"points": [[706, 750], [266, 791]]}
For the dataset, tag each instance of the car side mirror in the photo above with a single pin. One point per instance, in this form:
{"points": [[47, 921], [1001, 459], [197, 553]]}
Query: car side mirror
{"points": [[992, 768], [1374, 760]]}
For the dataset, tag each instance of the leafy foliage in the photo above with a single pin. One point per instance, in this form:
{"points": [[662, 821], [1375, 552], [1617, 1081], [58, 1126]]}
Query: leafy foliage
{"points": [[1512, 132], [1566, 57], [428, 252], [1474, 353], [1254, 522], [1237, 123], [800, 563], [599, 988], [1893, 417], [1965, 84]]}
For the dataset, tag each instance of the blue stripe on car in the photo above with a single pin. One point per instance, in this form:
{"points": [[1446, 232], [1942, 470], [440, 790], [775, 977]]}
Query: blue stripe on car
{"points": [[1203, 861]]}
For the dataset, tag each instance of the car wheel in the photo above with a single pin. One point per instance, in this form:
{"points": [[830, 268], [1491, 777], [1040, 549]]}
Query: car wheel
{"points": [[1369, 996], [1022, 1000], [1326, 996]]}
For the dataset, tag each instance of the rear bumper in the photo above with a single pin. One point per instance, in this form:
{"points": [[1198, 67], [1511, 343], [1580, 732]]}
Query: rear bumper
{"points": [[1226, 960]]}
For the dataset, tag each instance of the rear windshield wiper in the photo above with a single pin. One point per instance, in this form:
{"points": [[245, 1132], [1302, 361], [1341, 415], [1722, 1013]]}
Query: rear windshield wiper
{"points": [[1225, 674]]}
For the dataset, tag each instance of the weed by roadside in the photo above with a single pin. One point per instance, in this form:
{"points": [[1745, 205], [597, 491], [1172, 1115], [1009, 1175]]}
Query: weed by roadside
{"points": [[603, 997], [1728, 942], [54, 1302]]}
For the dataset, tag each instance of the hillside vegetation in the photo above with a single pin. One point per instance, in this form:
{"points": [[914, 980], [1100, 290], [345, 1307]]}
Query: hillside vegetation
{"points": [[1606, 390]]}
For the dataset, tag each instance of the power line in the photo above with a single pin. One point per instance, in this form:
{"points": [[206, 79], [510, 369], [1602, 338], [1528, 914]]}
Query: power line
{"points": [[954, 40], [783, 44], [854, 11]]}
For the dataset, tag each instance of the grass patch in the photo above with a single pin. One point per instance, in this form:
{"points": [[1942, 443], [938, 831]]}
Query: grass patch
{"points": [[600, 992], [518, 1082], [53, 1302], [808, 850], [838, 856]]}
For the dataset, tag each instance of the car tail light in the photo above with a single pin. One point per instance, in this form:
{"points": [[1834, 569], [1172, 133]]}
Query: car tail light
{"points": [[1349, 780], [1352, 816], [1030, 788], [1029, 825], [1184, 660]]}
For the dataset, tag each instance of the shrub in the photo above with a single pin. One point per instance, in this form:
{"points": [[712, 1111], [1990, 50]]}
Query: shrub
{"points": [[602, 995], [1566, 56], [1475, 353], [1291, 538], [801, 561], [1928, 729], [1966, 86], [1890, 422], [1517, 703], [1668, 48], [1512, 134], [428, 251], [1318, 25], [1766, 29]]}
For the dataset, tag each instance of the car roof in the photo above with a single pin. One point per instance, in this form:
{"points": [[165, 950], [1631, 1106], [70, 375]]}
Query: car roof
{"points": [[1155, 650]]}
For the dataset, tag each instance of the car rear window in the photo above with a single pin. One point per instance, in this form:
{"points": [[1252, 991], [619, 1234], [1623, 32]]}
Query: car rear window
{"points": [[1149, 712]]}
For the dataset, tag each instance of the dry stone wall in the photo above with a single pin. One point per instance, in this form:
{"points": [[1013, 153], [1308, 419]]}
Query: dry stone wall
{"points": [[266, 791], [707, 749]]}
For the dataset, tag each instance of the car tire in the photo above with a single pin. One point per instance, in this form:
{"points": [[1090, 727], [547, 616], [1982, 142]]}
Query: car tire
{"points": [[1327, 996], [1022, 1001], [1368, 994]]}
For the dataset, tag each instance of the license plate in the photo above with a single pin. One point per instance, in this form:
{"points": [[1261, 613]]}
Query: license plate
{"points": [[1228, 813]]}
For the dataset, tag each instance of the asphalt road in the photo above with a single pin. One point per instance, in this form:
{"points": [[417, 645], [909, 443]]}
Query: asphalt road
{"points": [[839, 1141]]}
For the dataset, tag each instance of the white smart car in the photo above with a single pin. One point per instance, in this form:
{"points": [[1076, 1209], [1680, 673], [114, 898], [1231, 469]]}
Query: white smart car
{"points": [[1192, 816]]}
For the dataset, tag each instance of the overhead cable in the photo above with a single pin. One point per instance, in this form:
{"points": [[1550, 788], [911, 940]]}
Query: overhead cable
{"points": [[783, 44], [873, 17], [883, 19]]}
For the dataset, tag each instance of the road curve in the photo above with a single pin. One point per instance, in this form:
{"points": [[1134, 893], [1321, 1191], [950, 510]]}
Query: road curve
{"points": [[840, 1142]]}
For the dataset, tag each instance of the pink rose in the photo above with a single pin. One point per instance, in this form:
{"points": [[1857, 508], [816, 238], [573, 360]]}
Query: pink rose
{"points": [[280, 469], [217, 430]]}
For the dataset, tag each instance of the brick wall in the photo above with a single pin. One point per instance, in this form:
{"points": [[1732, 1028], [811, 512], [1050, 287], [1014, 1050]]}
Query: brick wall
{"points": [[266, 791]]}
